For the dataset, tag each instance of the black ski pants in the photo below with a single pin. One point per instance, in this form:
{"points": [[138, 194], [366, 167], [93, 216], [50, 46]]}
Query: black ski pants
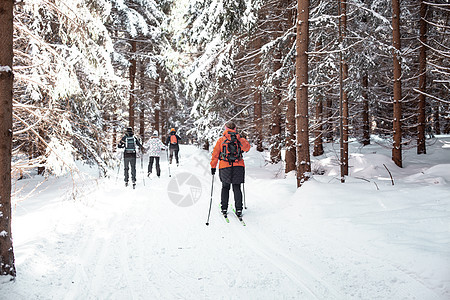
{"points": [[172, 151], [150, 165], [226, 194], [130, 162]]}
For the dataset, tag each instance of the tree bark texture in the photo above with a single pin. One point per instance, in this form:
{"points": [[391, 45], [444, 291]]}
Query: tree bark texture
{"points": [[365, 111], [329, 124], [397, 126], [142, 102], [257, 99], [302, 118], [437, 120], [318, 132], [343, 92], [275, 126], [290, 154], [421, 148], [132, 71], [156, 101], [7, 265]]}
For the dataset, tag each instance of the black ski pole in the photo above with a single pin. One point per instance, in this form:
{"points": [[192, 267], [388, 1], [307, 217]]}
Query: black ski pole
{"points": [[210, 201], [243, 190]]}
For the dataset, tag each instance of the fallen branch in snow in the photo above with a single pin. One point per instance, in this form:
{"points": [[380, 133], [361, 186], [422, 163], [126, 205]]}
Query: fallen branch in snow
{"points": [[392, 179], [363, 179], [376, 185]]}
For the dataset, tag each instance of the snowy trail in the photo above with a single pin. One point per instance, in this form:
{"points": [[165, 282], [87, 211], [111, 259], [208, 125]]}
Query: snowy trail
{"points": [[121, 243]]}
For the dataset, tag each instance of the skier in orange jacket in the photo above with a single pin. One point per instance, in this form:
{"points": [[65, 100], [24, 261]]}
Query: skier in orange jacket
{"points": [[228, 152]]}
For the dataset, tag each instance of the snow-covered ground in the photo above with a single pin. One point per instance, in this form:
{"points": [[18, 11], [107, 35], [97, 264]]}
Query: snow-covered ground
{"points": [[365, 239]]}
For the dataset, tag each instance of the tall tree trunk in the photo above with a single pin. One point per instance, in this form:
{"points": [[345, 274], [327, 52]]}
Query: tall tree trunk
{"points": [[275, 127], [302, 120], [142, 102], [318, 132], [365, 111], [343, 93], [290, 155], [421, 148], [157, 106], [132, 71], [114, 133], [437, 121], [7, 266], [397, 146], [163, 119], [257, 98], [329, 125], [41, 149]]}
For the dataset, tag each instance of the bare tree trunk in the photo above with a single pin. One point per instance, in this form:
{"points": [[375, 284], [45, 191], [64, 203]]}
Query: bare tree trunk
{"points": [[163, 119], [142, 101], [257, 98], [421, 148], [290, 155], [302, 120], [114, 133], [365, 111], [157, 105], [318, 132], [343, 93], [329, 124], [397, 146], [132, 84], [41, 149], [275, 150], [7, 265], [437, 122]]}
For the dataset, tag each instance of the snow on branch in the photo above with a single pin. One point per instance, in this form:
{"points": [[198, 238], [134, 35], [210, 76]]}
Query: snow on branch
{"points": [[431, 96]]}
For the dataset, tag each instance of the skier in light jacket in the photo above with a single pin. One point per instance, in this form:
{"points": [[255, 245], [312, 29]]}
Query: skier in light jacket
{"points": [[154, 149]]}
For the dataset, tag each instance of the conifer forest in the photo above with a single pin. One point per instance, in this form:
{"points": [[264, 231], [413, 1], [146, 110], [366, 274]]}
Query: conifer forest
{"points": [[292, 75]]}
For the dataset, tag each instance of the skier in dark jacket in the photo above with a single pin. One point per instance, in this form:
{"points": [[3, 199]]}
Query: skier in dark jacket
{"points": [[230, 173], [172, 141], [130, 142]]}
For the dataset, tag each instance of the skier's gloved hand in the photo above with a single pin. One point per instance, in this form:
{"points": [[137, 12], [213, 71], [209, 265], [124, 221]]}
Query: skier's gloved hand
{"points": [[213, 171]]}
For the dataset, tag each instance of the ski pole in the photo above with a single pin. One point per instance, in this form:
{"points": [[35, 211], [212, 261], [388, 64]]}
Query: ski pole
{"points": [[118, 170], [210, 201], [168, 164], [243, 190], [142, 166]]}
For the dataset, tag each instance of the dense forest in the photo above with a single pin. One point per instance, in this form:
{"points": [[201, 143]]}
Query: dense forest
{"points": [[292, 74]]}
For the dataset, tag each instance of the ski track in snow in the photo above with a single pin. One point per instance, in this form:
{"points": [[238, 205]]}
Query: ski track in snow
{"points": [[137, 244]]}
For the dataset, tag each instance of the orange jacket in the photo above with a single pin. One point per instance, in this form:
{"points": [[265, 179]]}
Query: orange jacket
{"points": [[245, 146]]}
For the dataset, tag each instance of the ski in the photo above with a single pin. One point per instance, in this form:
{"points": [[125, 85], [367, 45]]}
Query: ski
{"points": [[226, 218], [239, 217]]}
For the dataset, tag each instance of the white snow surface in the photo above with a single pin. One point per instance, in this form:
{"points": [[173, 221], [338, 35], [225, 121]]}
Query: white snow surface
{"points": [[90, 238]]}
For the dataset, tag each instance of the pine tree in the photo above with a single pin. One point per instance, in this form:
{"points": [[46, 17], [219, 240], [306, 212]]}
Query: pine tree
{"points": [[7, 266], [302, 120]]}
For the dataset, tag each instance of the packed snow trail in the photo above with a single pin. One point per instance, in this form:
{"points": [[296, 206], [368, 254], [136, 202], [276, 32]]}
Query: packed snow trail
{"points": [[120, 243]]}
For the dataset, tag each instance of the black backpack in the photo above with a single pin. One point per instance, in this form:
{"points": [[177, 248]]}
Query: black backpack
{"points": [[130, 144], [231, 149]]}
